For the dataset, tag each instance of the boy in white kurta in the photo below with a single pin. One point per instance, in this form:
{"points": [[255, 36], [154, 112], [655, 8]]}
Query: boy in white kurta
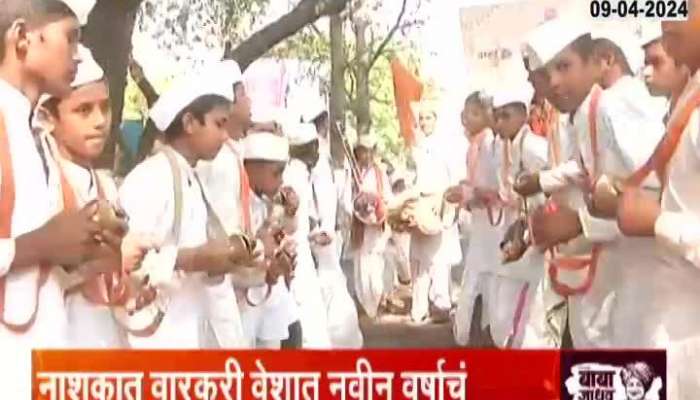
{"points": [[80, 123], [517, 299], [306, 287], [615, 132], [267, 312], [675, 221], [223, 179], [174, 211], [343, 326], [665, 77], [32, 243], [369, 240], [478, 193], [430, 255]]}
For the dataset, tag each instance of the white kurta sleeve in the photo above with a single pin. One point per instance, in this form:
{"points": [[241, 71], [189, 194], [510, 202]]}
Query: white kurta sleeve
{"points": [[7, 252], [296, 177], [680, 231], [598, 229], [559, 177], [346, 193], [7, 255], [633, 135], [386, 186], [322, 179], [536, 153], [147, 198], [536, 156]]}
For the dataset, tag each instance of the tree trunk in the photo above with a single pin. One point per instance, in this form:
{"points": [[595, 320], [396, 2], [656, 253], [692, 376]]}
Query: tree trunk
{"points": [[362, 97], [337, 100], [306, 12], [108, 35]]}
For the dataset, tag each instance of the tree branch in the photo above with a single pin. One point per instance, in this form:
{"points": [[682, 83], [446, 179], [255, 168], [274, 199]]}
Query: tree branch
{"points": [[389, 35], [317, 31], [306, 12], [351, 75], [143, 83]]}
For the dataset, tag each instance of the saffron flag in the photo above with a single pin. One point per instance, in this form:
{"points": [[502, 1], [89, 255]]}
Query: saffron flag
{"points": [[407, 89]]}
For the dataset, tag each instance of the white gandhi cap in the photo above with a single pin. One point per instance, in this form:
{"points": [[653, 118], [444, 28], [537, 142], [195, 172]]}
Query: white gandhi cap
{"points": [[522, 92], [266, 146], [89, 70], [367, 141], [182, 93], [227, 72], [549, 39], [81, 8], [300, 134]]}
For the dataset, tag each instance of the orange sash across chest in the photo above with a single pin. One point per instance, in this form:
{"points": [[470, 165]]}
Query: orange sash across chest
{"points": [[658, 162], [107, 289], [587, 263], [7, 205]]}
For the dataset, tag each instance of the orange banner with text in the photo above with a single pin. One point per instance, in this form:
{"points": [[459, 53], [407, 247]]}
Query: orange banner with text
{"points": [[407, 374]]}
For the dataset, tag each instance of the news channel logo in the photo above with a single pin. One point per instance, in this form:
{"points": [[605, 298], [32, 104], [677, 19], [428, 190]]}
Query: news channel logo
{"points": [[614, 375]]}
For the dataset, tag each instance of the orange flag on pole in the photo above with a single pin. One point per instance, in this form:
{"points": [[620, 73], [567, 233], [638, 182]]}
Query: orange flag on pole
{"points": [[407, 89]]}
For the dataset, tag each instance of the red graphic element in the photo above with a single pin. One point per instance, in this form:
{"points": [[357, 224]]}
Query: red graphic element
{"points": [[489, 374]]}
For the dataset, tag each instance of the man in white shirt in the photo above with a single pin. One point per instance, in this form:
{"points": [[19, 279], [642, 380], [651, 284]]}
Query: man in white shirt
{"points": [[80, 124], [432, 256], [616, 132], [664, 76], [268, 311], [478, 194], [32, 313], [193, 113], [226, 187], [520, 295], [343, 326], [306, 287], [675, 221], [369, 236]]}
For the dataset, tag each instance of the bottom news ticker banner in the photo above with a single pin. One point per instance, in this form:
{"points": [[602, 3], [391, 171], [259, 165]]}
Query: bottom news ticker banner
{"points": [[371, 374]]}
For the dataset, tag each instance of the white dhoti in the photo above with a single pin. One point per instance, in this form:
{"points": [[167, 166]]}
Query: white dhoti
{"points": [[591, 314], [483, 255], [266, 322], [92, 326], [655, 303], [306, 289], [544, 327], [50, 331], [343, 324], [370, 282], [401, 252], [508, 308], [682, 361], [520, 304], [430, 270], [184, 325], [224, 317]]}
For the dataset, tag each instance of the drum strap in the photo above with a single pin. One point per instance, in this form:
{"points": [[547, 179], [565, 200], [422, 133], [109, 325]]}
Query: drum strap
{"points": [[104, 289], [7, 205], [151, 329], [587, 263]]}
